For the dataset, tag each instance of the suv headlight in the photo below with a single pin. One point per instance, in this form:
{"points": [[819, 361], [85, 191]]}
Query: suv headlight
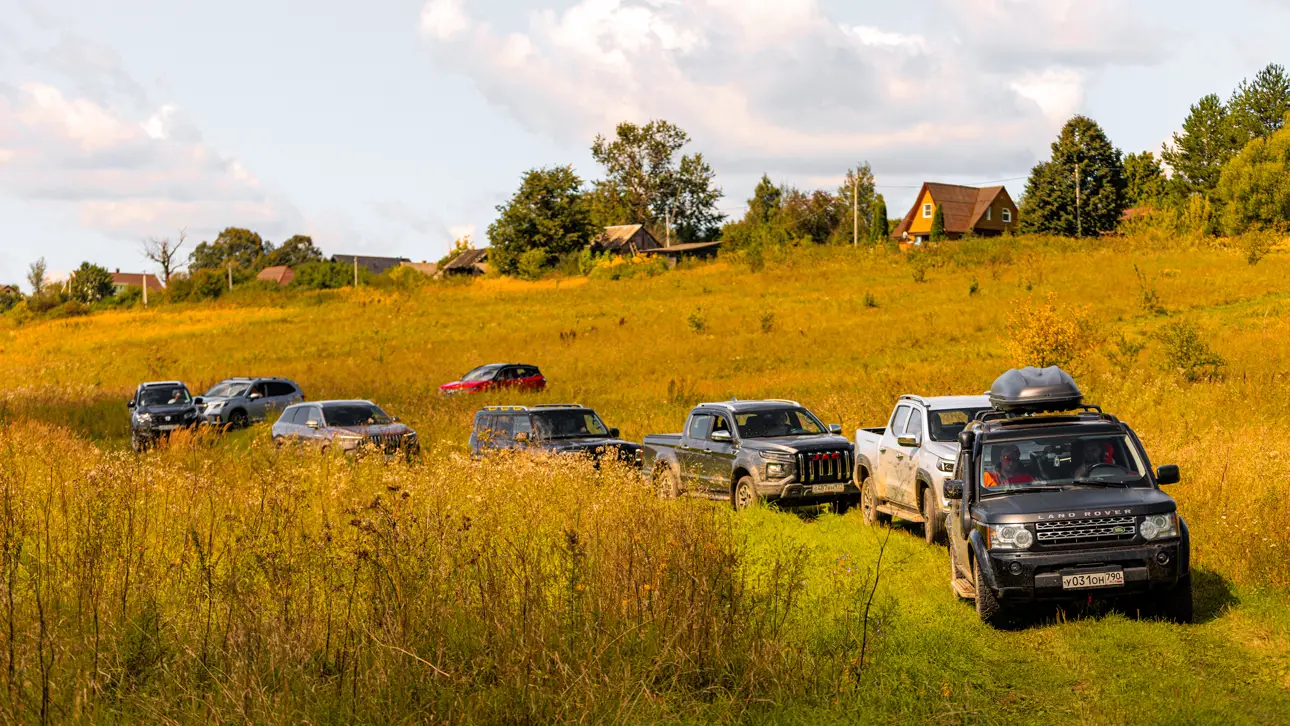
{"points": [[946, 466], [1159, 526], [214, 406], [1010, 537], [144, 417]]}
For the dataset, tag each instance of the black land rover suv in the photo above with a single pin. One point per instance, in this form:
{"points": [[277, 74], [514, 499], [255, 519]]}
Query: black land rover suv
{"points": [[563, 428], [1055, 500], [157, 409]]}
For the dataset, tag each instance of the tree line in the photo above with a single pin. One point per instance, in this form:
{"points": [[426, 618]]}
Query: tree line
{"points": [[1229, 170]]}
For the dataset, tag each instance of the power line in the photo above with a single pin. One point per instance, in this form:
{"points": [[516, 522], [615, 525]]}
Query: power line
{"points": [[973, 184]]}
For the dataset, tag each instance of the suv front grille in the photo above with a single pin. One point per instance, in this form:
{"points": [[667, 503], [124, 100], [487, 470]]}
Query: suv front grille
{"points": [[824, 467], [1079, 531], [385, 442]]}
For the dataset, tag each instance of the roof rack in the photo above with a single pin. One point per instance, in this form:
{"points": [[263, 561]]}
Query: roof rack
{"points": [[505, 408], [559, 405], [162, 383]]}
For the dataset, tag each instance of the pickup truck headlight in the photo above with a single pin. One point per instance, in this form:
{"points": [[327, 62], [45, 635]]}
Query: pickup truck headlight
{"points": [[776, 470], [1009, 537], [946, 466], [349, 443], [1159, 526]]}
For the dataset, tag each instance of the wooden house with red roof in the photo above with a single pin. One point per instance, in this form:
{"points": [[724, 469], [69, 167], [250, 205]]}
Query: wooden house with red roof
{"points": [[982, 211]]}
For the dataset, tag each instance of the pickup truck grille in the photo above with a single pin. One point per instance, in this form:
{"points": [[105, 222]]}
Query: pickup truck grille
{"points": [[1080, 531], [824, 467]]}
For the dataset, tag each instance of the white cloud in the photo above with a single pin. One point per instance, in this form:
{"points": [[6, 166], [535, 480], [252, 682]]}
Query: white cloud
{"points": [[779, 84], [125, 177]]}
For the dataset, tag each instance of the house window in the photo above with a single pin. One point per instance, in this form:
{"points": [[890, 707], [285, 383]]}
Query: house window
{"points": [[988, 212], [927, 211], [1007, 216]]}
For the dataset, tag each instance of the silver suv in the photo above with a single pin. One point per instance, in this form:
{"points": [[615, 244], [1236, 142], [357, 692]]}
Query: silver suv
{"points": [[237, 402]]}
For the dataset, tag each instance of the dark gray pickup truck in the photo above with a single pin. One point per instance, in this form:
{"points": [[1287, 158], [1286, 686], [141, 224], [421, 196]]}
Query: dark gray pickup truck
{"points": [[745, 451]]}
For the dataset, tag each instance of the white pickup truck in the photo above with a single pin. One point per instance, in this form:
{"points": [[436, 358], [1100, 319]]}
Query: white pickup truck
{"points": [[901, 467]]}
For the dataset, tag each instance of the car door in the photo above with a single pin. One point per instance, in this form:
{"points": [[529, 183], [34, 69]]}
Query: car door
{"points": [[691, 454], [278, 396], [959, 521], [901, 487], [719, 456], [528, 378], [314, 434], [257, 401], [888, 449]]}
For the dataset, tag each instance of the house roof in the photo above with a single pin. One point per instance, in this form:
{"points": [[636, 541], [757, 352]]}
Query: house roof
{"points": [[373, 264], [466, 259], [425, 268], [962, 206], [618, 236], [683, 247], [136, 279], [280, 274]]}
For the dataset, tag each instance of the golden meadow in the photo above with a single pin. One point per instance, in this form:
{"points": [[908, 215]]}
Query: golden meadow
{"points": [[221, 579]]}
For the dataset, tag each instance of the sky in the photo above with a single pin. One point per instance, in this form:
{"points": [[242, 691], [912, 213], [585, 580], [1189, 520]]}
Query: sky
{"points": [[394, 127]]}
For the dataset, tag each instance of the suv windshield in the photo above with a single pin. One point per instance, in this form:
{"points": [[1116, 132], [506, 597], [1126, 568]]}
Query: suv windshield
{"points": [[568, 424], [482, 373], [946, 425], [354, 414], [1042, 462], [773, 422], [163, 396], [228, 389]]}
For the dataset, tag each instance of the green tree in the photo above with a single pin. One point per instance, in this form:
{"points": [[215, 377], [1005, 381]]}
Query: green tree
{"points": [[1144, 180], [1255, 185], [327, 275], [242, 248], [548, 213], [878, 229], [1198, 153], [855, 195], [90, 283], [1080, 190], [938, 224], [815, 216], [296, 251], [1258, 108], [645, 182], [36, 276], [765, 202]]}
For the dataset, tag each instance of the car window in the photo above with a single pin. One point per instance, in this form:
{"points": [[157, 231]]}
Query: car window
{"points": [[915, 426], [522, 424], [568, 424], [946, 425], [279, 388], [482, 373], [700, 426], [774, 422], [355, 414], [899, 420], [719, 423], [257, 388], [310, 413], [228, 389], [163, 396]]}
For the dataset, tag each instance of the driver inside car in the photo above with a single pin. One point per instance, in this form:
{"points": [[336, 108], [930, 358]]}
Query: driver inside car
{"points": [[1094, 453], [1010, 469]]}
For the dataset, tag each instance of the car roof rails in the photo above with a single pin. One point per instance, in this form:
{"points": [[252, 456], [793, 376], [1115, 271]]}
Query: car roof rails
{"points": [[505, 408], [559, 405], [162, 383]]}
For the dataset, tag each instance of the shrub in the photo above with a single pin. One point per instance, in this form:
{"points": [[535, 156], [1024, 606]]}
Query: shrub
{"points": [[974, 288], [1257, 245], [532, 263], [8, 299], [406, 278], [698, 321], [70, 309], [615, 267], [1187, 353], [767, 322], [1047, 334], [869, 300], [1148, 297], [327, 275]]}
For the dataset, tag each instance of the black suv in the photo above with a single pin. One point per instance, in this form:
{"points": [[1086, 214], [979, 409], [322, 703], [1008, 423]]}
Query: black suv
{"points": [[1055, 500], [157, 409], [565, 428]]}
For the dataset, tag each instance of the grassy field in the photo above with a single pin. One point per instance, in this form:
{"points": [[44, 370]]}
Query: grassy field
{"points": [[222, 580]]}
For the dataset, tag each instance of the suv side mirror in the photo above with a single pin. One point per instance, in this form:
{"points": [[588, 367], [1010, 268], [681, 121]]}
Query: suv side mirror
{"points": [[130, 403], [910, 440], [722, 436], [835, 428], [1167, 474], [312, 424], [614, 433], [953, 489], [198, 401]]}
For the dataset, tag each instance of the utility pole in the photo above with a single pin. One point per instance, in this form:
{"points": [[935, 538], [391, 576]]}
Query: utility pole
{"points": [[145, 289], [855, 211], [667, 225], [1079, 221], [230, 275], [355, 270]]}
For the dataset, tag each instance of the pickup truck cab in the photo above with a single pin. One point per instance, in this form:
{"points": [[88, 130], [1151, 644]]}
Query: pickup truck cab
{"points": [[1055, 500], [901, 468], [746, 451]]}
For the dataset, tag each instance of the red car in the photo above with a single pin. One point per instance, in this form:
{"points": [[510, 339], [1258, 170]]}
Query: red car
{"points": [[498, 375]]}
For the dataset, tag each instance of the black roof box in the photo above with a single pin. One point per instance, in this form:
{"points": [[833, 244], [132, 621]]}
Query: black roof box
{"points": [[1035, 390]]}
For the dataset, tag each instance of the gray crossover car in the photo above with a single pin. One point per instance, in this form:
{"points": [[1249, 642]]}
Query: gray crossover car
{"points": [[349, 426], [240, 401]]}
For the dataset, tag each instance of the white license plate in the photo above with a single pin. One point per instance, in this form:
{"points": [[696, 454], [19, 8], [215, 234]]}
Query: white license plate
{"points": [[828, 488], [1093, 579]]}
